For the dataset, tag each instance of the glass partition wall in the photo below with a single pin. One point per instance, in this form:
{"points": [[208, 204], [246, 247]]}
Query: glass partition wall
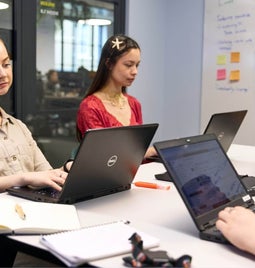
{"points": [[69, 38], [57, 45]]}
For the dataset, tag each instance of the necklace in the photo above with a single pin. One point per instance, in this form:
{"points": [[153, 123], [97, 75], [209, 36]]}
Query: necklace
{"points": [[118, 100]]}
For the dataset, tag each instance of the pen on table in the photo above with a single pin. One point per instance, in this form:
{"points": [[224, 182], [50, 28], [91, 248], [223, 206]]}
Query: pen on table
{"points": [[151, 185], [20, 211]]}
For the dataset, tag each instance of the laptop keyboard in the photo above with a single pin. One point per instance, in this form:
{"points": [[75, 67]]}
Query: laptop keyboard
{"points": [[51, 192]]}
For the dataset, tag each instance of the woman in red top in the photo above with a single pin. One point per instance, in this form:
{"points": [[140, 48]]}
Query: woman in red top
{"points": [[106, 103]]}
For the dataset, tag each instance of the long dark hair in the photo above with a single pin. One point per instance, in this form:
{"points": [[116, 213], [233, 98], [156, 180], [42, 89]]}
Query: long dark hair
{"points": [[112, 50]]}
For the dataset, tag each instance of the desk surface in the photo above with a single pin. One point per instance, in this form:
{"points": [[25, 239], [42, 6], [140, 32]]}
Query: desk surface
{"points": [[162, 213]]}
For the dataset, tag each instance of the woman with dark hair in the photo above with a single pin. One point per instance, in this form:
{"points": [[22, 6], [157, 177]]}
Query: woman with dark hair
{"points": [[106, 103]]}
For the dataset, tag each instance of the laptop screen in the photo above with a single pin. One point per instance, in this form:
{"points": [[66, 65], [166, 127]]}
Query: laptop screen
{"points": [[204, 174]]}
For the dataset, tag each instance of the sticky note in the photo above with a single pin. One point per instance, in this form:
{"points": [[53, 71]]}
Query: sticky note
{"points": [[221, 74], [235, 57], [234, 75], [221, 59]]}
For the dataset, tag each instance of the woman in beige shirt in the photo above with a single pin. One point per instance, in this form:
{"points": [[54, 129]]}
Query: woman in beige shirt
{"points": [[21, 161]]}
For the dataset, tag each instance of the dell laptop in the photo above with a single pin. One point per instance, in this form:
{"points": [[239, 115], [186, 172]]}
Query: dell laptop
{"points": [[205, 179], [224, 125], [106, 163]]}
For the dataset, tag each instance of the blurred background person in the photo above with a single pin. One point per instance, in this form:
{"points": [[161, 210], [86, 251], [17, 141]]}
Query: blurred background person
{"points": [[52, 85]]}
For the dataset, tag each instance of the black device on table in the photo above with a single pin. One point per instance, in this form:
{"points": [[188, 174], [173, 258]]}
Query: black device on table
{"points": [[225, 126]]}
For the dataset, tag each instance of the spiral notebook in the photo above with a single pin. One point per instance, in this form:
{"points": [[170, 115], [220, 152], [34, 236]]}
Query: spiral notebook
{"points": [[77, 247]]}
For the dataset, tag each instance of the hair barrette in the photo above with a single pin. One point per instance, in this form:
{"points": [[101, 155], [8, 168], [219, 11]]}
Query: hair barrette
{"points": [[116, 43]]}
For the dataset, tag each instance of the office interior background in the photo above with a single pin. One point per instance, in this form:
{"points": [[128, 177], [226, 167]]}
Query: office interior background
{"points": [[168, 85]]}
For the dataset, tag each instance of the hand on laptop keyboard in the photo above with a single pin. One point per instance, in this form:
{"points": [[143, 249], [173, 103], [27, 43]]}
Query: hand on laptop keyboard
{"points": [[238, 224]]}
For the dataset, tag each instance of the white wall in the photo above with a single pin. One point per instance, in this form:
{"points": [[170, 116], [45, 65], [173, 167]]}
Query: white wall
{"points": [[170, 33]]}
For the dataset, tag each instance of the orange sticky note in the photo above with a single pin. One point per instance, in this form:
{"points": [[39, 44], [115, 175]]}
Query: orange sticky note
{"points": [[235, 57], [234, 75]]}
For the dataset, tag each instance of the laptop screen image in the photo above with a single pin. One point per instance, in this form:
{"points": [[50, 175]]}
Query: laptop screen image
{"points": [[203, 175], [207, 180]]}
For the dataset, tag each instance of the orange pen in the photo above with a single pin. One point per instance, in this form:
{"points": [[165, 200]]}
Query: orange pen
{"points": [[151, 185]]}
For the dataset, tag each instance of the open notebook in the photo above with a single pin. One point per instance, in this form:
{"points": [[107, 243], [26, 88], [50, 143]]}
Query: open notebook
{"points": [[20, 216], [95, 242], [205, 179]]}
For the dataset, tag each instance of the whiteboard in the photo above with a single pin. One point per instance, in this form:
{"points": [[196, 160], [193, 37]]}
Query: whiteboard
{"points": [[228, 75]]}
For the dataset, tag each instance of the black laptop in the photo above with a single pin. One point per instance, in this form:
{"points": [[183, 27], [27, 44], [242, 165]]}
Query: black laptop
{"points": [[224, 125], [106, 163], [205, 179]]}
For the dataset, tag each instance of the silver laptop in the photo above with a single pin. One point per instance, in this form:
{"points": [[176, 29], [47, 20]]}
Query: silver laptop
{"points": [[205, 179], [106, 163]]}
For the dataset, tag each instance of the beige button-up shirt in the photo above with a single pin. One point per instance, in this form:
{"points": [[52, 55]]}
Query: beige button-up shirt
{"points": [[18, 150]]}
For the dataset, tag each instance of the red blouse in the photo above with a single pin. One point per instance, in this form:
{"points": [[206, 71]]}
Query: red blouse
{"points": [[92, 114]]}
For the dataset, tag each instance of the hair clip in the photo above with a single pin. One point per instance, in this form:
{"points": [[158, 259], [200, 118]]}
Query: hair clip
{"points": [[116, 43]]}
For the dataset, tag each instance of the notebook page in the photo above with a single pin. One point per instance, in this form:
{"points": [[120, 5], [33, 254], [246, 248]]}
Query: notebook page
{"points": [[93, 243]]}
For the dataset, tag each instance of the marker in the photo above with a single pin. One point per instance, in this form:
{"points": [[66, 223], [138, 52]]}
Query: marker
{"points": [[20, 211], [151, 185]]}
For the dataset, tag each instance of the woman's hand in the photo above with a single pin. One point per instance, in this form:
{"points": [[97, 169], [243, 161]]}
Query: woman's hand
{"points": [[151, 151], [237, 224], [53, 178]]}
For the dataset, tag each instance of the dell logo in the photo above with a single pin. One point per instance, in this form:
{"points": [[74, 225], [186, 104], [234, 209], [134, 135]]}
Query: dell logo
{"points": [[221, 135], [112, 161]]}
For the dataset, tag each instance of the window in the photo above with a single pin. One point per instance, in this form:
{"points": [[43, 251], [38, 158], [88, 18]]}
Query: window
{"points": [[60, 42], [78, 30]]}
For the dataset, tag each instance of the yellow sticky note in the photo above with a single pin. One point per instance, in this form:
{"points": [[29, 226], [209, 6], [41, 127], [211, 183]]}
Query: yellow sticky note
{"points": [[234, 75], [235, 57], [221, 59]]}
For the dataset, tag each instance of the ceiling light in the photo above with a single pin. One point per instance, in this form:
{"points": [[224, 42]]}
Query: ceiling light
{"points": [[96, 22], [3, 5]]}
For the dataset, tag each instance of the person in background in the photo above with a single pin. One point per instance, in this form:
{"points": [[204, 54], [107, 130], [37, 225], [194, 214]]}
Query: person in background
{"points": [[52, 85], [106, 103], [237, 224]]}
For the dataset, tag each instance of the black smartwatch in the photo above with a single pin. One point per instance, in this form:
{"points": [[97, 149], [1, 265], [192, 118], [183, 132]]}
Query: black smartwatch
{"points": [[64, 165]]}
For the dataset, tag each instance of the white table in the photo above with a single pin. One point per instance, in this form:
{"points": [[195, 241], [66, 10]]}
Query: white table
{"points": [[162, 213]]}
